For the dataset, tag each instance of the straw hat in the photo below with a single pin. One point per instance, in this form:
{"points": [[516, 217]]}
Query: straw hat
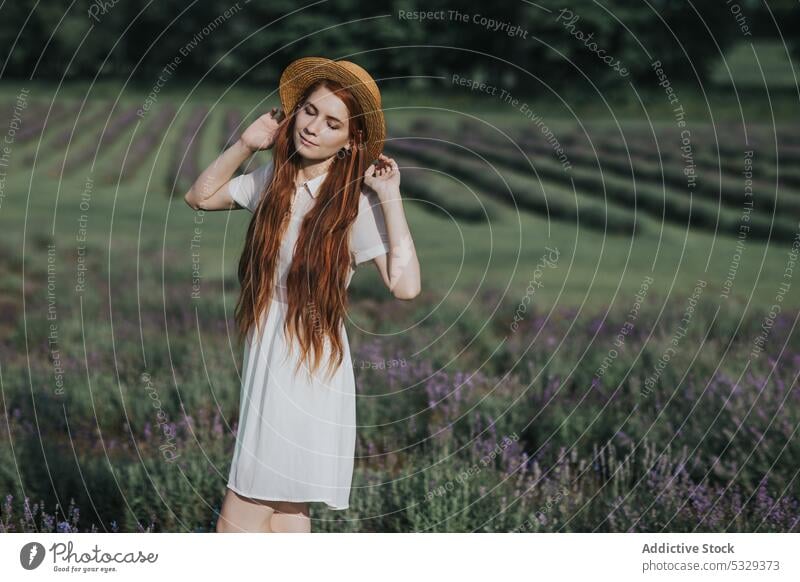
{"points": [[300, 74]]}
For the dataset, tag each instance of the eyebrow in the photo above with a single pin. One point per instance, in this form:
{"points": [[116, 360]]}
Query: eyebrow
{"points": [[328, 116]]}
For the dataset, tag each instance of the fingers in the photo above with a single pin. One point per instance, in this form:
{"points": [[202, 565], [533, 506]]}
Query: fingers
{"points": [[387, 159], [385, 166], [277, 114]]}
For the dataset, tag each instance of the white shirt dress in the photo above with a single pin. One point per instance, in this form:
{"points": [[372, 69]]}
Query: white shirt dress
{"points": [[297, 432]]}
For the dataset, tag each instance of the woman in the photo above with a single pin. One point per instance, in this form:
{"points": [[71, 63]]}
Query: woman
{"points": [[320, 208]]}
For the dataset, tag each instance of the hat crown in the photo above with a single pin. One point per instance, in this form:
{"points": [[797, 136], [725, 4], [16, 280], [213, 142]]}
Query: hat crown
{"points": [[367, 79]]}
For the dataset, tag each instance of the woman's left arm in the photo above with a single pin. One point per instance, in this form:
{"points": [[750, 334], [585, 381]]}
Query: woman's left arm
{"points": [[400, 267]]}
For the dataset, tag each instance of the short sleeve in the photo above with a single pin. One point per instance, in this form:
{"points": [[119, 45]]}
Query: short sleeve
{"points": [[369, 238], [246, 189]]}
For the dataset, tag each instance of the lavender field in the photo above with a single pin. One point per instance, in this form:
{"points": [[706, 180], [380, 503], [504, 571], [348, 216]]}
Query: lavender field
{"points": [[538, 429]]}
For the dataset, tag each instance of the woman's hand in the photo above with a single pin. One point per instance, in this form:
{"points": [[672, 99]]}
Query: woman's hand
{"points": [[384, 178], [261, 133]]}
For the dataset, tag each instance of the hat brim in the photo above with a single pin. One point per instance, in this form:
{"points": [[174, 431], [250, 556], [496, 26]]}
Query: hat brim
{"points": [[302, 73]]}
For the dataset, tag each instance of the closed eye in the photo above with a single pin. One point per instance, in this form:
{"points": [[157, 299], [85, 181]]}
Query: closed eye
{"points": [[310, 111]]}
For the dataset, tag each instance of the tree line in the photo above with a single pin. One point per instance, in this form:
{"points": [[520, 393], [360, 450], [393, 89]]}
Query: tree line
{"points": [[515, 44]]}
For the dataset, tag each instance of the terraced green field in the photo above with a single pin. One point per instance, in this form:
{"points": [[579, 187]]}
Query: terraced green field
{"points": [[482, 197]]}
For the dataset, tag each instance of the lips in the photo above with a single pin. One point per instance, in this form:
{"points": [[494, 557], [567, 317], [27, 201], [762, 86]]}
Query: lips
{"points": [[306, 142]]}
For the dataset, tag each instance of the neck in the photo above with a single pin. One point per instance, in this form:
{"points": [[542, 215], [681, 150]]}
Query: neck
{"points": [[310, 169]]}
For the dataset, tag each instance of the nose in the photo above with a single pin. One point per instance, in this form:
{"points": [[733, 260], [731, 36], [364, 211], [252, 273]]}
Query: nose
{"points": [[311, 128]]}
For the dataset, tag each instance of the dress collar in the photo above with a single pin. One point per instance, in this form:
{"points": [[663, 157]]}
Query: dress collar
{"points": [[312, 186]]}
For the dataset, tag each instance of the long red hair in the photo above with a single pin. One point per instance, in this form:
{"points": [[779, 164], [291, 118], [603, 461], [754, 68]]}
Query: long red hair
{"points": [[316, 292]]}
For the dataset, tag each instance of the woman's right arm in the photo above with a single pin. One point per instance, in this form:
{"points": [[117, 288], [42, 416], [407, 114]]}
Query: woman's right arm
{"points": [[210, 191]]}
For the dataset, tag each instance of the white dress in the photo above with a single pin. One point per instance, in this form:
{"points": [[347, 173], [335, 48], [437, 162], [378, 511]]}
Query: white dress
{"points": [[297, 433]]}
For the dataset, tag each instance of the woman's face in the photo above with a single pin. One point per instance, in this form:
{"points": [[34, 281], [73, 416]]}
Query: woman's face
{"points": [[321, 125]]}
